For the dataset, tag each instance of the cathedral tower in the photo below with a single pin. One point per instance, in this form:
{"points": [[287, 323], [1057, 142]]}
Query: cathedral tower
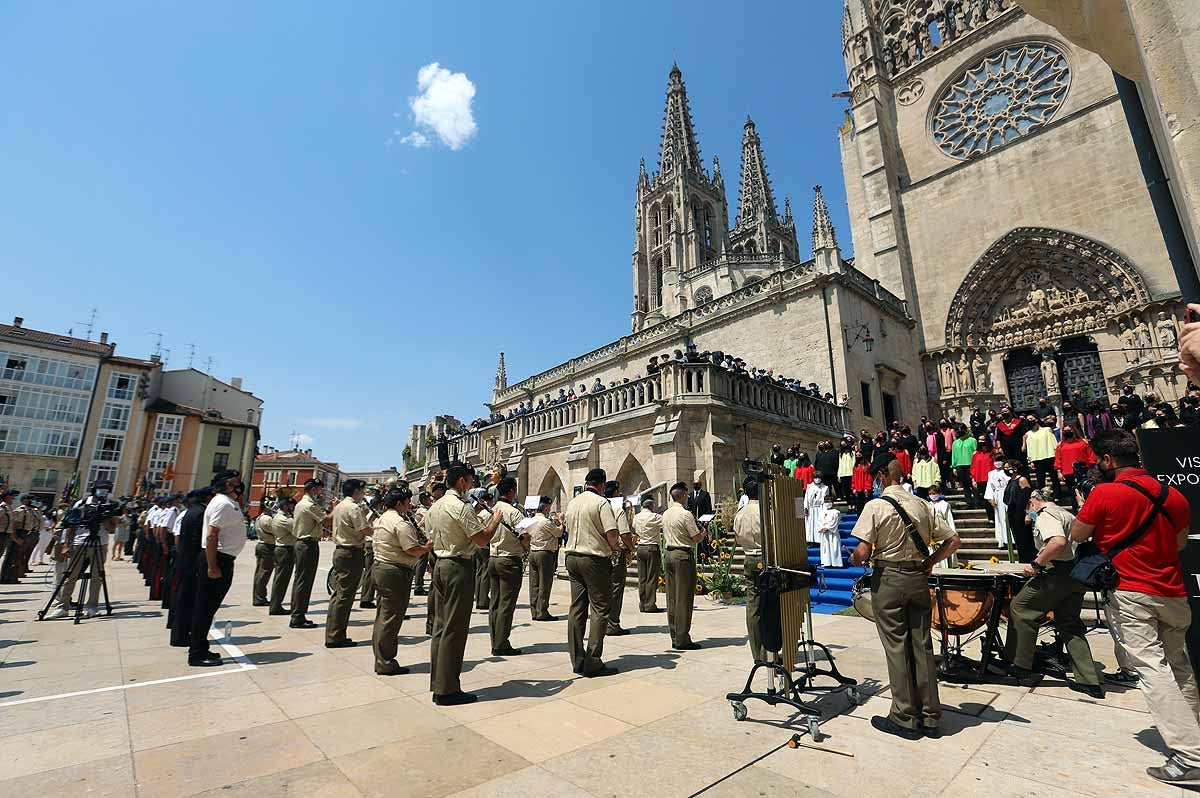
{"points": [[758, 228], [681, 212]]}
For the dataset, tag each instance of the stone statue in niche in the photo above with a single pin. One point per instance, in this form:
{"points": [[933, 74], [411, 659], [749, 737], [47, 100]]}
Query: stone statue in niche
{"points": [[1049, 372], [1037, 301], [1129, 344], [947, 377], [983, 377], [1168, 333], [1144, 344], [965, 379]]}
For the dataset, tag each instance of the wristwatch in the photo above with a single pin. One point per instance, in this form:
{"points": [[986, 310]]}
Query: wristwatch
{"points": [[1037, 566]]}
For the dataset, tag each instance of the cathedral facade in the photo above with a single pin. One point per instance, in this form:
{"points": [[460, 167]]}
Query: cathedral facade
{"points": [[993, 185]]}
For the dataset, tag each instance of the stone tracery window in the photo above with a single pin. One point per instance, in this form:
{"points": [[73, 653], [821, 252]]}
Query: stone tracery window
{"points": [[1003, 96], [703, 294]]}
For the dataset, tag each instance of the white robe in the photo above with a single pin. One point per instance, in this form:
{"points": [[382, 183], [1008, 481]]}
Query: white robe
{"points": [[946, 513], [831, 538], [997, 482], [814, 505]]}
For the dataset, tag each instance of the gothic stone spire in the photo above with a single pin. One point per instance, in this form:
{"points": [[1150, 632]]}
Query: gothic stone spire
{"points": [[755, 200], [501, 375], [679, 136], [823, 236]]}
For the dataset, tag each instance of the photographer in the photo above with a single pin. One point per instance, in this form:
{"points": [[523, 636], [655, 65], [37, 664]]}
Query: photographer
{"points": [[1149, 609], [89, 519]]}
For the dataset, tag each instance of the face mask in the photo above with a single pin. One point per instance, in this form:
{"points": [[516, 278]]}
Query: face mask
{"points": [[1068, 433], [817, 480], [102, 493], [1032, 515]]}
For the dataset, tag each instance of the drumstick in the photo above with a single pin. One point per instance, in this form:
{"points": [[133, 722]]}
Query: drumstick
{"points": [[796, 742]]}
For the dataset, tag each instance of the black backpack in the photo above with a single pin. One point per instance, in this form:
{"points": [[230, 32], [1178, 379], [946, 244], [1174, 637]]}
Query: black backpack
{"points": [[1094, 568]]}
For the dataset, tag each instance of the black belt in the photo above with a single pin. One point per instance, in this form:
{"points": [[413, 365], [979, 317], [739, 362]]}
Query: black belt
{"points": [[393, 564], [590, 556], [307, 540], [456, 559], [688, 549], [903, 566], [348, 546], [648, 545]]}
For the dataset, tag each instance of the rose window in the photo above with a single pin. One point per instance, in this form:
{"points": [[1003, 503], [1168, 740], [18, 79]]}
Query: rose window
{"points": [[1006, 95]]}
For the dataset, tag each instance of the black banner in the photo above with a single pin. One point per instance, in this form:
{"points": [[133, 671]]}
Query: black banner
{"points": [[1173, 456]]}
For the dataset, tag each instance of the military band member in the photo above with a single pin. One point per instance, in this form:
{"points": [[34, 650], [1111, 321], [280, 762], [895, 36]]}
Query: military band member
{"points": [[1051, 589], [308, 521], [505, 564], [482, 503], [681, 534], [896, 530], [455, 530], [350, 529], [544, 539], [424, 502], [591, 539], [25, 523], [398, 545], [647, 527], [282, 524], [620, 558], [437, 491], [264, 555], [747, 532], [367, 601], [6, 525]]}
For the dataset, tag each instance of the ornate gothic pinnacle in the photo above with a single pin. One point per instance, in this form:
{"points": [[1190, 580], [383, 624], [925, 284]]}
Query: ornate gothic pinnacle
{"points": [[679, 146], [755, 200], [823, 235], [787, 210], [717, 178], [501, 375], [643, 179]]}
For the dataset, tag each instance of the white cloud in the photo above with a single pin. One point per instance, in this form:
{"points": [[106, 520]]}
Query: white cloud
{"points": [[300, 439], [442, 109], [416, 138], [333, 422]]}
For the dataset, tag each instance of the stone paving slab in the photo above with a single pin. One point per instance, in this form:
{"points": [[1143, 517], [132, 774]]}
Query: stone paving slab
{"points": [[106, 707]]}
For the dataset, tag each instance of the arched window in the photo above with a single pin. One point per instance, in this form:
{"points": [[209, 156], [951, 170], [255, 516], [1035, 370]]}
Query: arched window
{"points": [[656, 225], [703, 294], [708, 231], [751, 247], [656, 299]]}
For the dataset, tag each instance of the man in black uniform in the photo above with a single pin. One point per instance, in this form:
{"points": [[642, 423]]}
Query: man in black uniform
{"points": [[187, 563]]}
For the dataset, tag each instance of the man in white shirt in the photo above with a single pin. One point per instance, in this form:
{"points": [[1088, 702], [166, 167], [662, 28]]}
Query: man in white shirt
{"points": [[224, 536]]}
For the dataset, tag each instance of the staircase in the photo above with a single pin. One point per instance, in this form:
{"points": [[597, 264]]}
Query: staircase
{"points": [[832, 589]]}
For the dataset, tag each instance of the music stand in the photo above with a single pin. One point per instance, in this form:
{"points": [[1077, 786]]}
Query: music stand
{"points": [[774, 581]]}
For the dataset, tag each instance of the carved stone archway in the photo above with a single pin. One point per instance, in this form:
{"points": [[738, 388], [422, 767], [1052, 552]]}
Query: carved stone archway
{"points": [[552, 486], [1035, 285], [632, 476]]}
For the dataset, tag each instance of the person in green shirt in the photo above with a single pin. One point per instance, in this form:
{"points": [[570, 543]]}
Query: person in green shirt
{"points": [[960, 460], [789, 463]]}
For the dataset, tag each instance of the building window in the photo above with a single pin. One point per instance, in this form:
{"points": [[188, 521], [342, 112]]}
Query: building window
{"points": [[891, 410], [44, 479], [121, 386], [108, 448], [292, 477], [271, 477], [97, 472], [865, 388], [167, 431], [703, 294], [220, 461], [224, 436]]}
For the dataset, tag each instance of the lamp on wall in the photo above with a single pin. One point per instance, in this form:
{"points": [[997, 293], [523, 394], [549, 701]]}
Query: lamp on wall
{"points": [[861, 333]]}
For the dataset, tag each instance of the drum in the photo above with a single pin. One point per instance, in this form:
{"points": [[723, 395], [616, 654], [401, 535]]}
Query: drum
{"points": [[860, 597], [965, 603]]}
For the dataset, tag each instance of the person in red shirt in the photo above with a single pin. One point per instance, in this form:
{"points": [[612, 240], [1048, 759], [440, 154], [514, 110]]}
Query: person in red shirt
{"points": [[804, 471], [1010, 430], [861, 484], [902, 458], [1148, 612], [1073, 449], [981, 467]]}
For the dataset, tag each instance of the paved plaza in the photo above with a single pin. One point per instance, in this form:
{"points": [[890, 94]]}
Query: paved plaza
{"points": [[108, 708]]}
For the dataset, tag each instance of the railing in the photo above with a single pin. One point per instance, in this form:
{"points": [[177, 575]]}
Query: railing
{"points": [[626, 396], [704, 380], [550, 419]]}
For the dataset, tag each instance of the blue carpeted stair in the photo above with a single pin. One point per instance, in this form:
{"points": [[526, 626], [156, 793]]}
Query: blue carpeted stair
{"points": [[832, 589]]}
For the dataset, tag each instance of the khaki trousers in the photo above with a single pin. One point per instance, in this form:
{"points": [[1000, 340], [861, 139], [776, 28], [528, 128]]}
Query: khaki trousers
{"points": [[681, 594], [264, 564], [85, 556], [649, 566], [453, 583], [483, 582], [393, 583], [368, 577], [591, 588], [504, 576], [1152, 630], [1057, 592], [619, 572], [542, 565], [307, 554], [430, 609], [903, 614], [347, 571], [419, 573], [284, 559], [753, 634]]}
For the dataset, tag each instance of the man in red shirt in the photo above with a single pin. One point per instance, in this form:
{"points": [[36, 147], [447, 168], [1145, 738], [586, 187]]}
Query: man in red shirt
{"points": [[1148, 611]]}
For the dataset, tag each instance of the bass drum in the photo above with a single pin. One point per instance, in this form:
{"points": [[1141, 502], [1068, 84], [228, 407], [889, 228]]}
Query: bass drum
{"points": [[860, 597]]}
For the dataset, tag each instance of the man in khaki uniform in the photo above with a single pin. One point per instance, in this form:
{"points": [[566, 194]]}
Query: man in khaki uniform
{"points": [[747, 532], [437, 491], [680, 533], [481, 501], [308, 522], [1051, 589], [367, 600], [25, 524], [424, 502], [591, 540], [620, 558], [456, 531], [544, 540], [350, 530], [505, 564], [285, 541], [900, 596], [398, 545], [264, 555], [647, 527], [6, 525]]}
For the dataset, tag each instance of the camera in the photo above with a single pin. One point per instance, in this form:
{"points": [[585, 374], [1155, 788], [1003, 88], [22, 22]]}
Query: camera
{"points": [[1085, 478]]}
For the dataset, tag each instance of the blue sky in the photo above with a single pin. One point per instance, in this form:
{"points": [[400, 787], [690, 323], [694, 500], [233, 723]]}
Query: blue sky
{"points": [[233, 176]]}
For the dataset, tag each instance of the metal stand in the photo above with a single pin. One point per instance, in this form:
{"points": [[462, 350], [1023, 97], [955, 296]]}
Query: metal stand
{"points": [[85, 576], [782, 688]]}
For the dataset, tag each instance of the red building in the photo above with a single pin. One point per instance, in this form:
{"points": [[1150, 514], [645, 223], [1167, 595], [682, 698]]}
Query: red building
{"points": [[289, 469]]}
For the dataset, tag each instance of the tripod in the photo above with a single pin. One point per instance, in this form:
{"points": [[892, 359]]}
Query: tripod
{"points": [[83, 574]]}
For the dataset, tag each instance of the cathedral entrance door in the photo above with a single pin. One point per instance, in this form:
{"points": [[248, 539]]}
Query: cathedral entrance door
{"points": [[1079, 361], [1024, 373]]}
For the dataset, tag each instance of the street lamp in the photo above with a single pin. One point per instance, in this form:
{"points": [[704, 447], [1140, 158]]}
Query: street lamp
{"points": [[861, 333]]}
